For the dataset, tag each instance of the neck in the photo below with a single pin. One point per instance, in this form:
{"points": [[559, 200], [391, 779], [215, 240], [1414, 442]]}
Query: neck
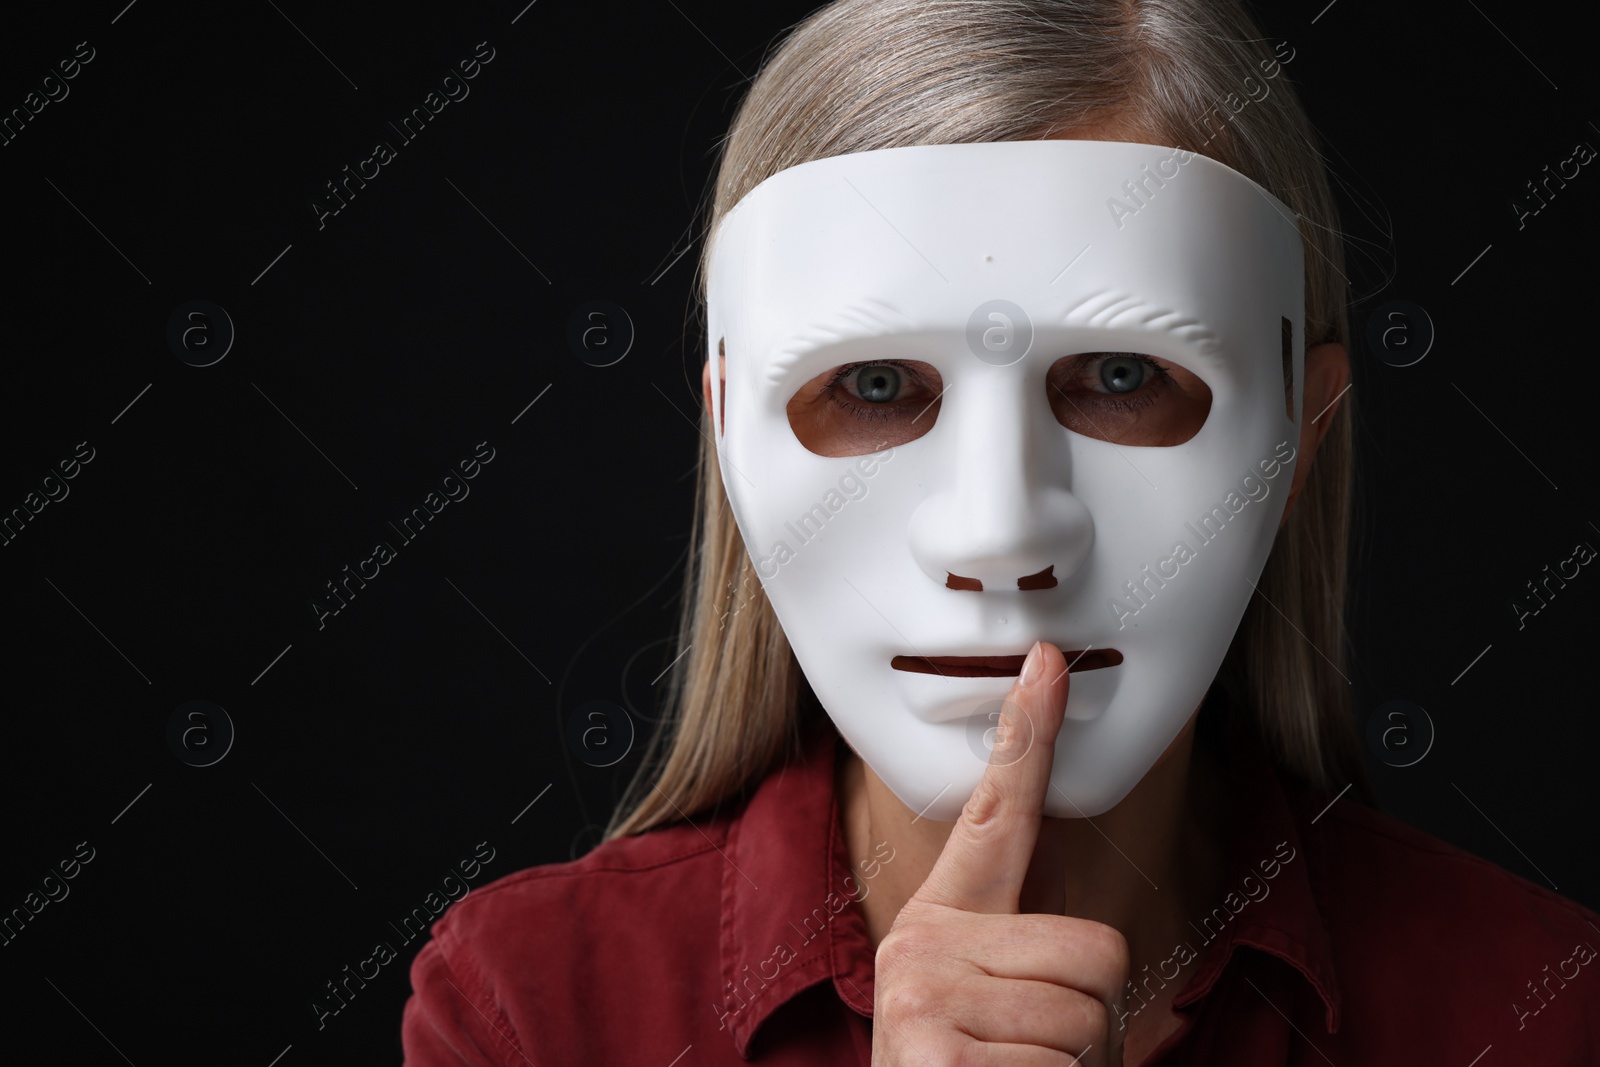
{"points": [[1143, 867]]}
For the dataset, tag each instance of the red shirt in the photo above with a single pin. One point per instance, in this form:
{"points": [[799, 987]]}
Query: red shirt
{"points": [[1348, 939]]}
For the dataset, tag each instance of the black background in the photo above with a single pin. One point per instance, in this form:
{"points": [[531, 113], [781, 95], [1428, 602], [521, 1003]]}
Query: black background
{"points": [[376, 352]]}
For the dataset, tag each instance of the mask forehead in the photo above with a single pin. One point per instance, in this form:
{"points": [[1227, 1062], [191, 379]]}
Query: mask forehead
{"points": [[1099, 244]]}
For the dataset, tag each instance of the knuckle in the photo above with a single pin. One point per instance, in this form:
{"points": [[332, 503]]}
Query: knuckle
{"points": [[904, 948], [893, 952], [1011, 732], [1104, 945], [969, 1054], [1114, 948], [984, 808], [1096, 1019], [920, 920], [912, 1001], [1082, 1018]]}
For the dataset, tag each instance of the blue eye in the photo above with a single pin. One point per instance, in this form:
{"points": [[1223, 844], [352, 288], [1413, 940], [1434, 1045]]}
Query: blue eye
{"points": [[877, 383], [888, 390], [1123, 374]]}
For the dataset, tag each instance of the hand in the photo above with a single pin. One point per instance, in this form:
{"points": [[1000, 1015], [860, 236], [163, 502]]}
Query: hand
{"points": [[964, 977]]}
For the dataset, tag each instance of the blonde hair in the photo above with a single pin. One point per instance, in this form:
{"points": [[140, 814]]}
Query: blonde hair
{"points": [[858, 75]]}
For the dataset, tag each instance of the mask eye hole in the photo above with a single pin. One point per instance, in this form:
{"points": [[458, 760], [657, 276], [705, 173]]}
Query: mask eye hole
{"points": [[1127, 398], [857, 408]]}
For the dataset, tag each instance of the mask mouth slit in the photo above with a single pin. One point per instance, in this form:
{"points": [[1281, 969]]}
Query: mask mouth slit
{"points": [[1001, 666]]}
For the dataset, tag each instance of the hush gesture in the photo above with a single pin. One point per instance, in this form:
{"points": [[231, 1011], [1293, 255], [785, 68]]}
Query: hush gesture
{"points": [[964, 974]]}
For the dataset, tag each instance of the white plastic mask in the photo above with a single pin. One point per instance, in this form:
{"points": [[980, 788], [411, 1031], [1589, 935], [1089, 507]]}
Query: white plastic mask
{"points": [[990, 262]]}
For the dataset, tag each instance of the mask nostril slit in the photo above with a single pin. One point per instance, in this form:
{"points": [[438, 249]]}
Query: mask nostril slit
{"points": [[1043, 580], [955, 581]]}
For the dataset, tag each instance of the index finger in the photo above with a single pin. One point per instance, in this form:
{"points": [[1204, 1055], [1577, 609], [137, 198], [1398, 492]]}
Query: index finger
{"points": [[986, 858]]}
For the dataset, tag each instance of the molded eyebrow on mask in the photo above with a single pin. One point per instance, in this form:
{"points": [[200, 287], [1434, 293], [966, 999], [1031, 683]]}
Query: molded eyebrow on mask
{"points": [[1116, 309], [1103, 309], [855, 322]]}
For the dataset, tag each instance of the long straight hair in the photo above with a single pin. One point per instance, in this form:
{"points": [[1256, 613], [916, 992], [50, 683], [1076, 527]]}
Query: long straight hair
{"points": [[858, 75]]}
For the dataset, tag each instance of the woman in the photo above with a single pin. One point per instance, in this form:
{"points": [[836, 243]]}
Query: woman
{"points": [[1145, 853]]}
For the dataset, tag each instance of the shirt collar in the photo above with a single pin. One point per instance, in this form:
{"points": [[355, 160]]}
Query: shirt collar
{"points": [[790, 916], [1284, 915]]}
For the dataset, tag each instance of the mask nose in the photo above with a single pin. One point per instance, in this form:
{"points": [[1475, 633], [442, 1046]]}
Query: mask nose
{"points": [[1003, 517]]}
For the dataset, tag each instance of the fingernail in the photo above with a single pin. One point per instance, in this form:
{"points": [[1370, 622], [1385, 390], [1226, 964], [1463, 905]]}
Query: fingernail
{"points": [[1033, 665]]}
